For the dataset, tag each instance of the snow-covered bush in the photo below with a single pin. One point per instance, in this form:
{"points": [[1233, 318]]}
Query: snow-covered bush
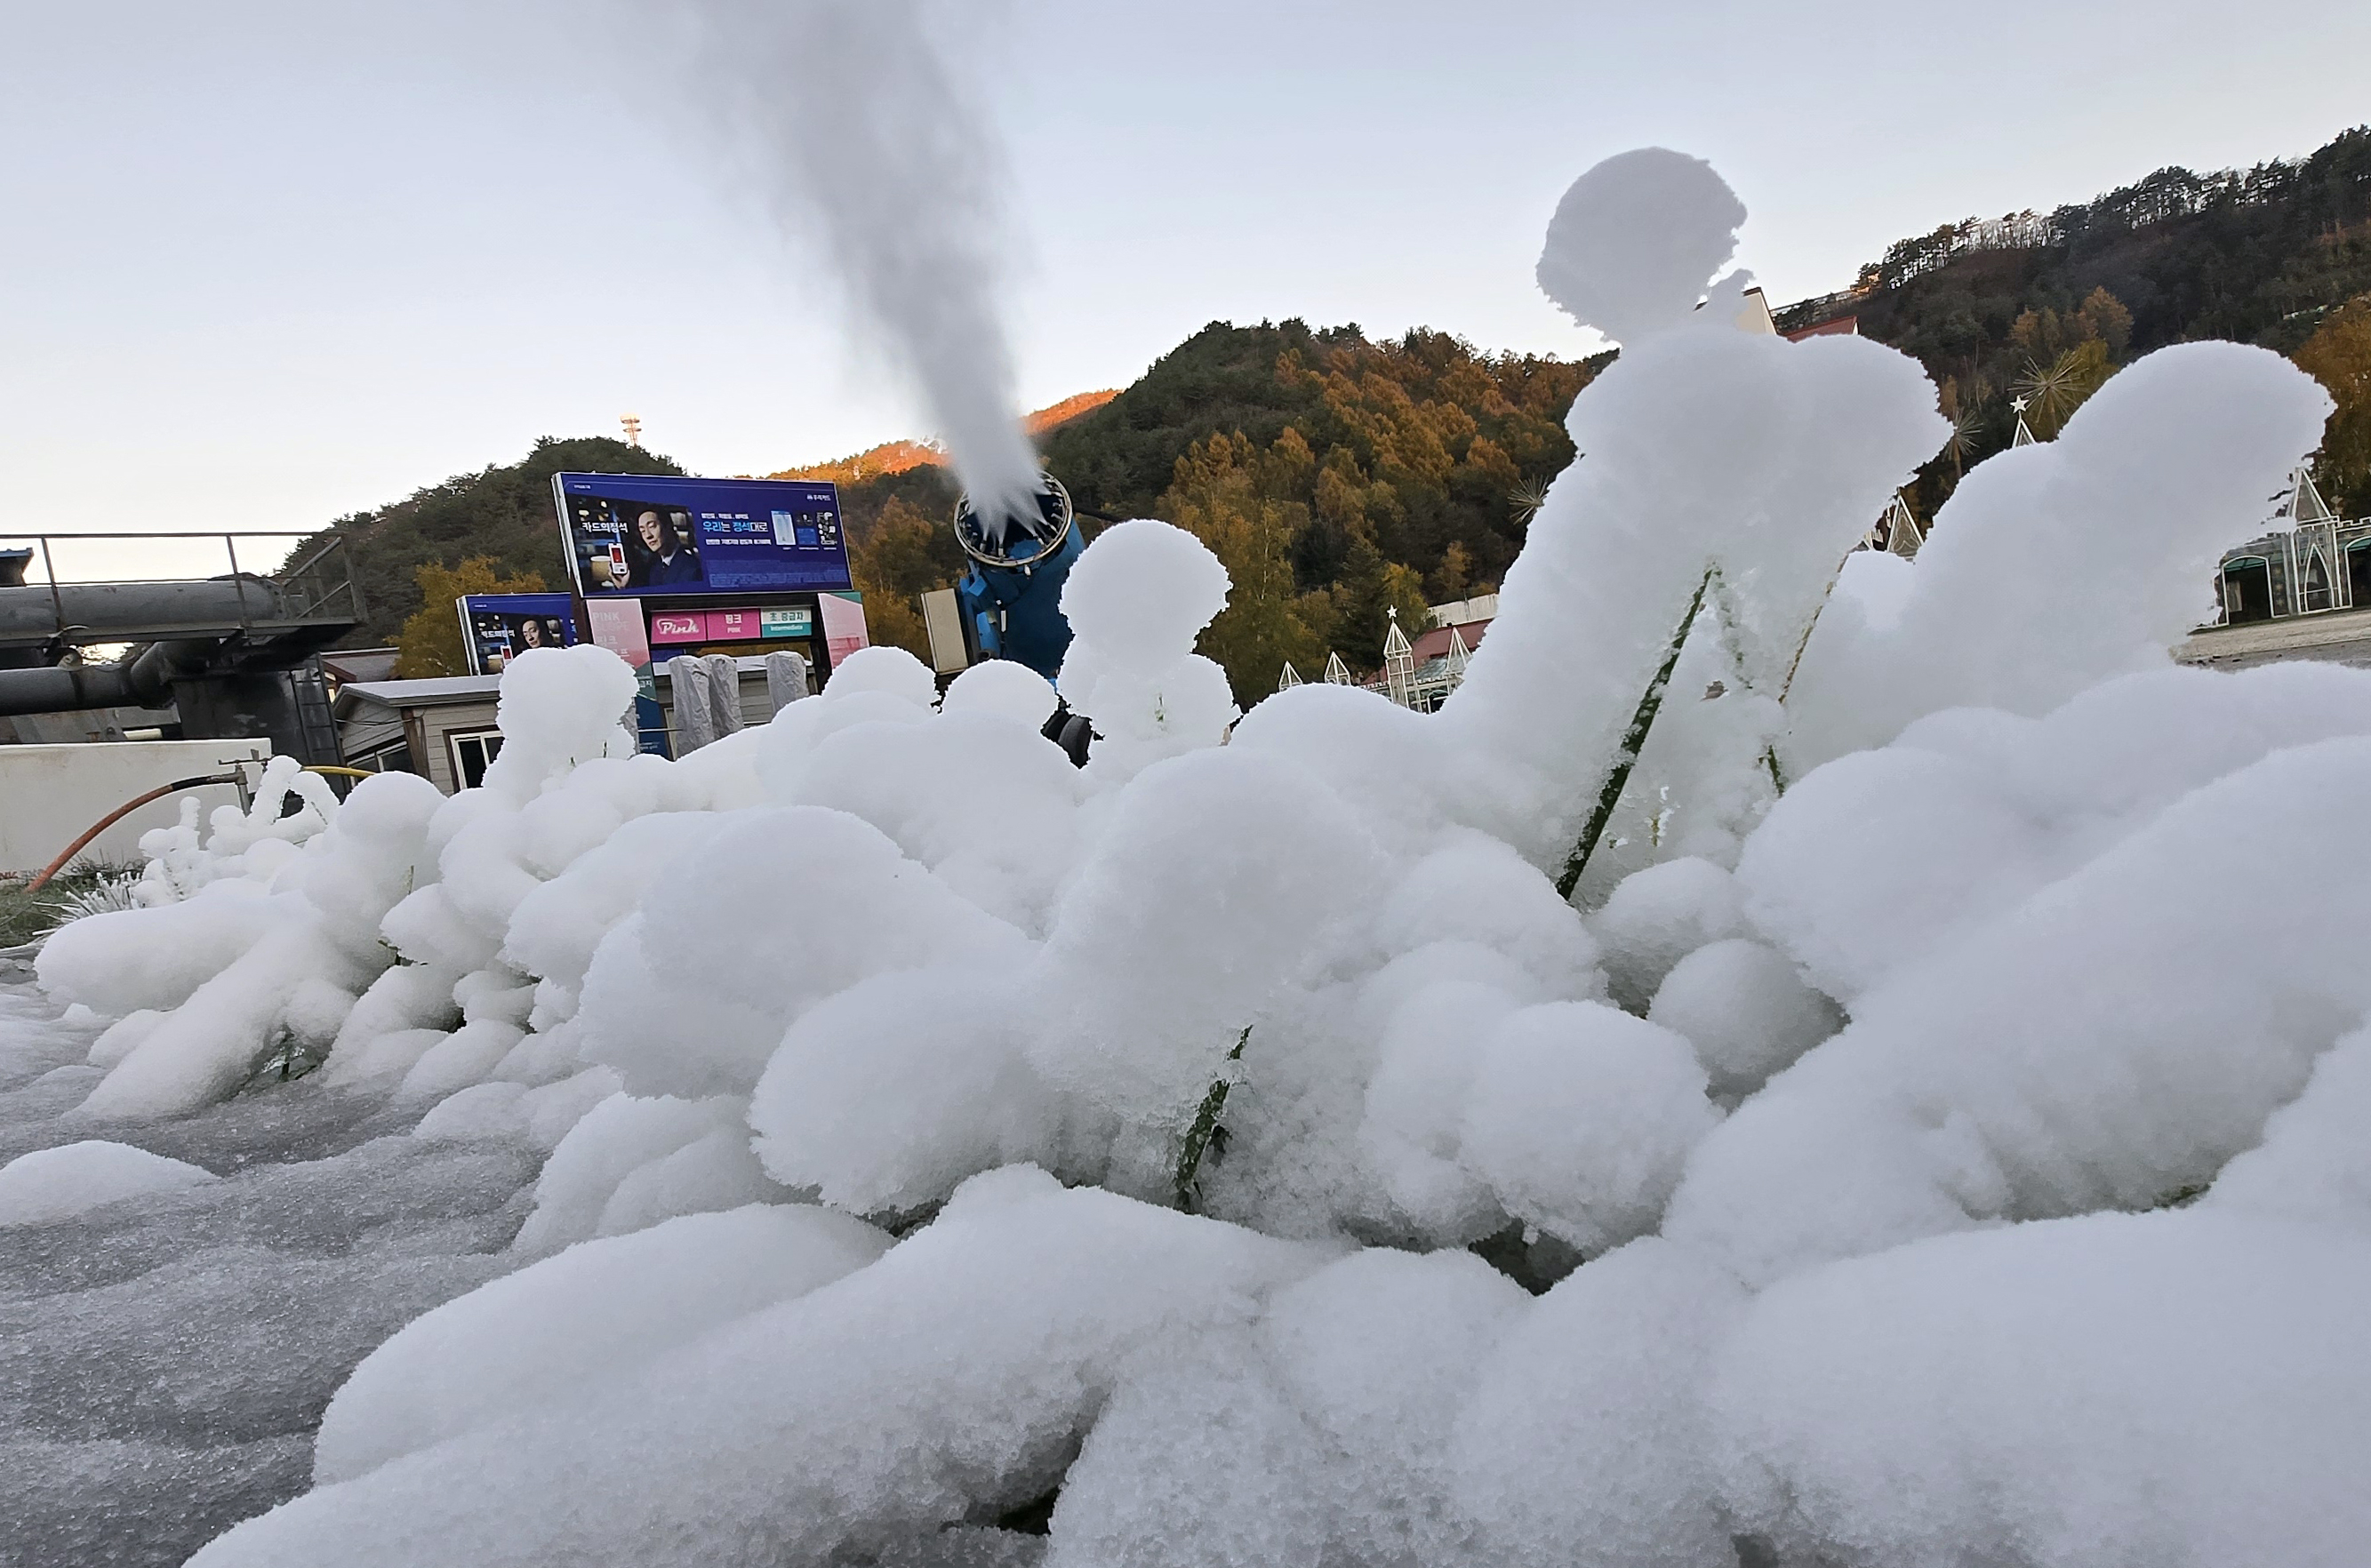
{"points": [[1932, 960]]}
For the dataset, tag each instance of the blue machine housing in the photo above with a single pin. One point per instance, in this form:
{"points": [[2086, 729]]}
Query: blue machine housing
{"points": [[1011, 594]]}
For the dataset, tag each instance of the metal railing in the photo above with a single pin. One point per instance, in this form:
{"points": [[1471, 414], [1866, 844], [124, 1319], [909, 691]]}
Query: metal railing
{"points": [[318, 586], [307, 586]]}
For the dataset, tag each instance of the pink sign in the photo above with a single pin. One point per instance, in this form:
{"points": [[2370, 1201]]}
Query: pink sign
{"points": [[706, 625], [616, 625], [843, 625], [730, 626]]}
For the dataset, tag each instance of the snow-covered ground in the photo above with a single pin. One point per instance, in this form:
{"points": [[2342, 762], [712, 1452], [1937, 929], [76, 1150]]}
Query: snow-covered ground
{"points": [[871, 1139], [165, 1358]]}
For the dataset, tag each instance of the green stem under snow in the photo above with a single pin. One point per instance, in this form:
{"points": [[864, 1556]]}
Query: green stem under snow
{"points": [[1727, 611], [1634, 741], [1205, 1128]]}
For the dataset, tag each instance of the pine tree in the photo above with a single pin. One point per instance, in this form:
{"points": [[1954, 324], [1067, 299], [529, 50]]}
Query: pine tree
{"points": [[1370, 589]]}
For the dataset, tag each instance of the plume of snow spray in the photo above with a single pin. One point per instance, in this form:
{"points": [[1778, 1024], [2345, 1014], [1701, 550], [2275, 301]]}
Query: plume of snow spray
{"points": [[855, 119]]}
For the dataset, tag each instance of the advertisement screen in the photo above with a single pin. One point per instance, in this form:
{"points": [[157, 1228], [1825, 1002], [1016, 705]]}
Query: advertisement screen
{"points": [[495, 627], [650, 535]]}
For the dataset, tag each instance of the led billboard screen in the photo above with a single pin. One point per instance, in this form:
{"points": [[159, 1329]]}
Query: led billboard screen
{"points": [[649, 535], [496, 628]]}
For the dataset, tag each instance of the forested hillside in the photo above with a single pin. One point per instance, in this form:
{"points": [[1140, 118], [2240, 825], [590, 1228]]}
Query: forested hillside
{"points": [[2046, 307], [1340, 479], [893, 457], [501, 513]]}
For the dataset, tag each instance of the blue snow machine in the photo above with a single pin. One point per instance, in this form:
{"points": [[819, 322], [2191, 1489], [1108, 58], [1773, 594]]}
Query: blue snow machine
{"points": [[1010, 592]]}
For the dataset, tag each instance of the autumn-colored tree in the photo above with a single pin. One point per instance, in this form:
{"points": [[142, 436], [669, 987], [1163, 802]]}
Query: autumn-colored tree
{"points": [[1223, 495], [1416, 444], [2339, 356], [430, 643], [1454, 575], [893, 620], [2103, 317], [1288, 469], [2068, 358], [2042, 334], [902, 556], [1343, 495]]}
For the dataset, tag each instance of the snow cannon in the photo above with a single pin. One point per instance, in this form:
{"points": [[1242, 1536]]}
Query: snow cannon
{"points": [[1010, 593]]}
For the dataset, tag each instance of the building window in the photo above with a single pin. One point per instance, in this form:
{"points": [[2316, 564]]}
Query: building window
{"points": [[396, 759], [472, 754]]}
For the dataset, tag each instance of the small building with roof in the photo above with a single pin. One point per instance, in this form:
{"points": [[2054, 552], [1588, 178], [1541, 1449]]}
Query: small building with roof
{"points": [[444, 729], [2299, 590]]}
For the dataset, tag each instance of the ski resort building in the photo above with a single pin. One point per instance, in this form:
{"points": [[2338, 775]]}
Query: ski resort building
{"points": [[2300, 590], [1437, 658], [2315, 564]]}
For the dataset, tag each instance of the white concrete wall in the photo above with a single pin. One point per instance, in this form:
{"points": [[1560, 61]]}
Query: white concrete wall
{"points": [[49, 794]]}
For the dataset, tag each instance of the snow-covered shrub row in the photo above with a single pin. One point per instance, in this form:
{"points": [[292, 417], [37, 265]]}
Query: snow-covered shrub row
{"points": [[1853, 1142]]}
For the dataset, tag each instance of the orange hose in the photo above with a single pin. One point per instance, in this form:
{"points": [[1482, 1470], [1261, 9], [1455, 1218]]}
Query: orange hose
{"points": [[118, 814]]}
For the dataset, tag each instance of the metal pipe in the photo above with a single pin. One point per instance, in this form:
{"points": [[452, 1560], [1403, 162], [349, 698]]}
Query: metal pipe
{"points": [[66, 688], [144, 680], [133, 612]]}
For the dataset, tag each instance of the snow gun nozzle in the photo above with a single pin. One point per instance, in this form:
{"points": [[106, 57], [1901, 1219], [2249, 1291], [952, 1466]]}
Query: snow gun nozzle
{"points": [[1014, 531]]}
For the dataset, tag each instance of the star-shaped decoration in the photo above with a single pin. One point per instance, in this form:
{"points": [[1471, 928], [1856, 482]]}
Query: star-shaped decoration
{"points": [[2017, 403]]}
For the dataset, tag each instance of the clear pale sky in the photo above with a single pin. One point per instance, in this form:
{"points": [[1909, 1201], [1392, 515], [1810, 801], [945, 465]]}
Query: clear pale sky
{"points": [[266, 262]]}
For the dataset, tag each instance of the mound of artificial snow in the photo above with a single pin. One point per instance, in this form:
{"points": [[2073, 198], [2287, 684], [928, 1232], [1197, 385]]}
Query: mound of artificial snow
{"points": [[1933, 920], [784, 1435], [57, 1183], [537, 1337], [2163, 1389]]}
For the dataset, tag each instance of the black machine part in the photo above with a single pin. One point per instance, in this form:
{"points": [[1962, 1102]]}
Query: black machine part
{"points": [[986, 542], [144, 680], [1071, 733]]}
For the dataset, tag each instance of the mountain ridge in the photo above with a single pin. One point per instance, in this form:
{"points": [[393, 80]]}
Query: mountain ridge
{"points": [[1341, 479], [899, 457]]}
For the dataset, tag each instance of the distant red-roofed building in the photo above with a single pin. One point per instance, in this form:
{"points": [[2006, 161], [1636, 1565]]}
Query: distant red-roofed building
{"points": [[1836, 326], [1434, 644], [1433, 666]]}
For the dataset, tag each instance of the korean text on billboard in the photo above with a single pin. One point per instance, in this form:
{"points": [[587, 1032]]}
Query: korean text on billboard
{"points": [[653, 535]]}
